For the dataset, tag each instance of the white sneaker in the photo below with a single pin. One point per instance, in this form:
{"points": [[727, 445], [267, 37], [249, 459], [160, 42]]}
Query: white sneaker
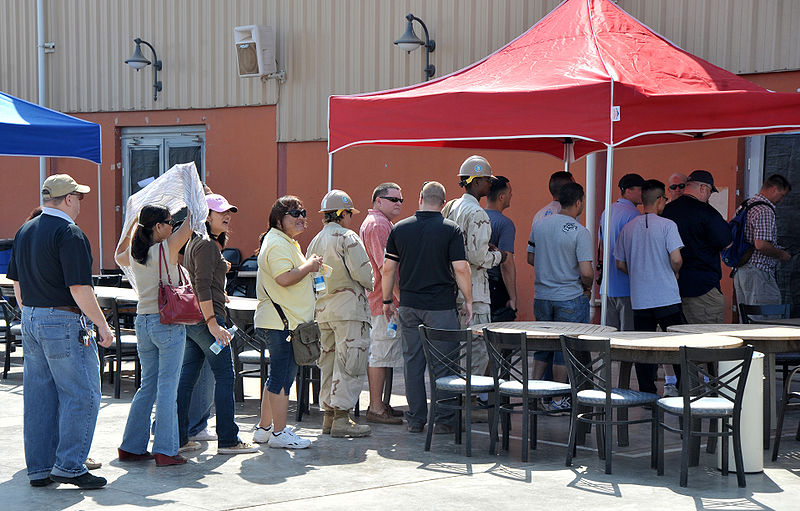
{"points": [[559, 406], [671, 390], [189, 446], [240, 448], [261, 435], [205, 436], [286, 439]]}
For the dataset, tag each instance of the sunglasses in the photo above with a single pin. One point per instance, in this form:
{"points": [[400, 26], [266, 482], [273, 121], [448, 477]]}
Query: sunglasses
{"points": [[675, 187], [297, 213], [393, 199], [79, 195], [169, 221]]}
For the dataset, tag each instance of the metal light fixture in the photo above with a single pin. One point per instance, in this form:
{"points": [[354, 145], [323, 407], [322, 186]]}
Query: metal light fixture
{"points": [[409, 42], [138, 61]]}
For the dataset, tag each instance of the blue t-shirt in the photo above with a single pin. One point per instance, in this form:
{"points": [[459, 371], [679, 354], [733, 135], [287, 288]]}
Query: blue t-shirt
{"points": [[503, 234], [645, 244], [559, 244], [622, 212]]}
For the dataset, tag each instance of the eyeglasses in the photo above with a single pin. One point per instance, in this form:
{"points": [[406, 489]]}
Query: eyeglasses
{"points": [[297, 213], [79, 195], [393, 199], [169, 221], [675, 187]]}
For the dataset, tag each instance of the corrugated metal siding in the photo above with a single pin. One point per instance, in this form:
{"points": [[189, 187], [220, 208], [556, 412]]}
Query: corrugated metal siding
{"points": [[328, 47]]}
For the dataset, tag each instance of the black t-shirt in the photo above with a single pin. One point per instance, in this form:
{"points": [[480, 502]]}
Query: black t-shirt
{"points": [[49, 255], [704, 233], [424, 246]]}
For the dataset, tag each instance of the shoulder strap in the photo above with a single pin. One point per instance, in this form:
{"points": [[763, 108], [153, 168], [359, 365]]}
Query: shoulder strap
{"points": [[278, 308], [748, 205], [448, 207], [162, 257]]}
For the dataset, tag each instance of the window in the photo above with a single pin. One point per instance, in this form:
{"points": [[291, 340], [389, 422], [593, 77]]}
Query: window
{"points": [[149, 152]]}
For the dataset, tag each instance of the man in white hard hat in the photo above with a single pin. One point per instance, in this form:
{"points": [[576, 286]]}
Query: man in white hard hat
{"points": [[343, 314], [51, 266]]}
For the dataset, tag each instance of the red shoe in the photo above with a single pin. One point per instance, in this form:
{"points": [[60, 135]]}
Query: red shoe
{"points": [[162, 460], [129, 456]]}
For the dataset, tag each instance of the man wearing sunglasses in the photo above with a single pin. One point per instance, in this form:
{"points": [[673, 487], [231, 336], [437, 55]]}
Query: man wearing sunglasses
{"points": [[677, 184], [51, 266]]}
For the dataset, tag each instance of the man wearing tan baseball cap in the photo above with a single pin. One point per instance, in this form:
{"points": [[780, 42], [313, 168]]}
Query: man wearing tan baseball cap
{"points": [[51, 266]]}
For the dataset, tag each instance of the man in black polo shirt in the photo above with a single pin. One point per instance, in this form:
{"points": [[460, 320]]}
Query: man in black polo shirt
{"points": [[429, 253], [704, 233], [51, 266]]}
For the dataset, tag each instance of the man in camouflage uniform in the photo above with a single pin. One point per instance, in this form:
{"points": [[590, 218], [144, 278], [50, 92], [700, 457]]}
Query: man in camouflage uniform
{"points": [[342, 312], [475, 177]]}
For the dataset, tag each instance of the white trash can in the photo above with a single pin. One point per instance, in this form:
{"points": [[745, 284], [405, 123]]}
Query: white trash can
{"points": [[752, 421]]}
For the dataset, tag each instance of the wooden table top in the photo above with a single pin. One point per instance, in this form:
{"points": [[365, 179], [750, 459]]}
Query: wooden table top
{"points": [[5, 282], [545, 329], [667, 341], [241, 303], [120, 293], [746, 332]]}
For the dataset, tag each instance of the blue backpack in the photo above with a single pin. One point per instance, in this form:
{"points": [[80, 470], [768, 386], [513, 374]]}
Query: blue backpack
{"points": [[739, 251]]}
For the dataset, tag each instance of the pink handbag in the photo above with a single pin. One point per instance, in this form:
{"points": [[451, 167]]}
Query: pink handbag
{"points": [[177, 305]]}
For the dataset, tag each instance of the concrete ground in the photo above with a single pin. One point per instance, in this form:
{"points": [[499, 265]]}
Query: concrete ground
{"points": [[389, 470]]}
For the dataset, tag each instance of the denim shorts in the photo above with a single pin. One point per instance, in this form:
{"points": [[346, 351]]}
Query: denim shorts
{"points": [[570, 311], [282, 367]]}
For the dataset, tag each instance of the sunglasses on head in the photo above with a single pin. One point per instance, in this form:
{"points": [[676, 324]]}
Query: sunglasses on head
{"points": [[297, 213], [675, 187], [392, 199]]}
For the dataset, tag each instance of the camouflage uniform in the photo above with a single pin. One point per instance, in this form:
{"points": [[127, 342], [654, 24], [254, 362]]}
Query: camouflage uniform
{"points": [[342, 312], [474, 223]]}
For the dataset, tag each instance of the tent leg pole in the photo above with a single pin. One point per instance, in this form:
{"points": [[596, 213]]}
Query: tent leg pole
{"points": [[330, 171], [99, 219], [606, 231], [591, 186]]}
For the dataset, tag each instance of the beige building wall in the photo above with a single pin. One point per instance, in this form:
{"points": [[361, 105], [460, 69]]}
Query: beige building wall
{"points": [[328, 47]]}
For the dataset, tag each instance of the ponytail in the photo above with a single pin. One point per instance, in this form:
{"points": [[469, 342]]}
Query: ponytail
{"points": [[143, 238]]}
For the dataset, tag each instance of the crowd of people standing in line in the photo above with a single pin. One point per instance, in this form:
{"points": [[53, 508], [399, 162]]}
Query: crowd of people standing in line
{"points": [[449, 265]]}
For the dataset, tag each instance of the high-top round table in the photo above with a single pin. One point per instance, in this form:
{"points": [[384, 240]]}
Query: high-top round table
{"points": [[768, 340]]}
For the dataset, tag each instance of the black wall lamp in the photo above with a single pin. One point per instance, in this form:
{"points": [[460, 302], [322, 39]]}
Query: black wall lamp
{"points": [[138, 61], [410, 42]]}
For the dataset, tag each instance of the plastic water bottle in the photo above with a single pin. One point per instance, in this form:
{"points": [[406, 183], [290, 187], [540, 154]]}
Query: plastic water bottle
{"points": [[319, 283], [391, 329], [217, 346]]}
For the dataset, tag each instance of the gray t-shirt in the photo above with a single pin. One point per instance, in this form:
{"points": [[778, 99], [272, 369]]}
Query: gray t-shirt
{"points": [[559, 244], [644, 244]]}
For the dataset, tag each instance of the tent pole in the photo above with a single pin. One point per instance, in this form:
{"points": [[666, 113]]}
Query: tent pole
{"points": [[591, 187], [606, 231], [330, 171], [99, 219], [42, 82]]}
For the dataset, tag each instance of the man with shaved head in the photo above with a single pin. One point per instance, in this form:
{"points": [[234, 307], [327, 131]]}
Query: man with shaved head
{"points": [[677, 183]]}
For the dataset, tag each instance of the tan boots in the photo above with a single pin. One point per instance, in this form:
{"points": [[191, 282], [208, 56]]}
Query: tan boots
{"points": [[327, 422], [343, 426]]}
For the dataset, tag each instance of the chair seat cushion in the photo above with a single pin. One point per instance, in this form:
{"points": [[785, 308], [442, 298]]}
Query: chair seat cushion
{"points": [[705, 406], [536, 388], [253, 357], [619, 397], [456, 383]]}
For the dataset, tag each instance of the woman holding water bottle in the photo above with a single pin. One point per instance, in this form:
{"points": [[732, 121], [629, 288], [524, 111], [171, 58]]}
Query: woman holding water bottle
{"points": [[284, 282], [343, 315], [210, 339]]}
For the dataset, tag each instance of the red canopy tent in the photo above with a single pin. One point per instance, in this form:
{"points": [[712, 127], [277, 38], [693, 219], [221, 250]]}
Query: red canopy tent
{"points": [[588, 73]]}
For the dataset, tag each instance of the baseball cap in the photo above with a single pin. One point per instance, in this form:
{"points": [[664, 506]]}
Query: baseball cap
{"points": [[630, 180], [703, 176], [474, 166], [337, 200], [59, 185], [220, 204]]}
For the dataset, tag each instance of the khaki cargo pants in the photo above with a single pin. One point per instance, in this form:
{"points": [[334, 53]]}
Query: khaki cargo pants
{"points": [[342, 363]]}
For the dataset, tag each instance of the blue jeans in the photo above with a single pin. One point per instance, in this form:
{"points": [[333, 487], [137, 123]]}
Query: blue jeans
{"points": [[202, 400], [61, 392], [198, 342], [570, 311], [282, 367], [160, 350]]}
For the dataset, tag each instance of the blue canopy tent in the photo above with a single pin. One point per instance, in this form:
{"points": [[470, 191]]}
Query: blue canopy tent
{"points": [[27, 129]]}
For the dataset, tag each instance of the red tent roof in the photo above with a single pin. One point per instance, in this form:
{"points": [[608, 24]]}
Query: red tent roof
{"points": [[565, 78]]}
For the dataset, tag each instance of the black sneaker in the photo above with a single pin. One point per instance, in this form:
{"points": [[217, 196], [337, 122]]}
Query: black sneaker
{"points": [[38, 483], [415, 428], [85, 481]]}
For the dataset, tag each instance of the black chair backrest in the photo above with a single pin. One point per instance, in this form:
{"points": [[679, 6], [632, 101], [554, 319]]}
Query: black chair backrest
{"points": [[107, 280], [451, 349], [583, 370], [777, 310], [728, 385], [233, 256], [7, 317], [249, 264], [508, 355]]}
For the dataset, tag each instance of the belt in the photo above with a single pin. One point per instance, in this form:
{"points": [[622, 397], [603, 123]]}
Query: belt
{"points": [[69, 308]]}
